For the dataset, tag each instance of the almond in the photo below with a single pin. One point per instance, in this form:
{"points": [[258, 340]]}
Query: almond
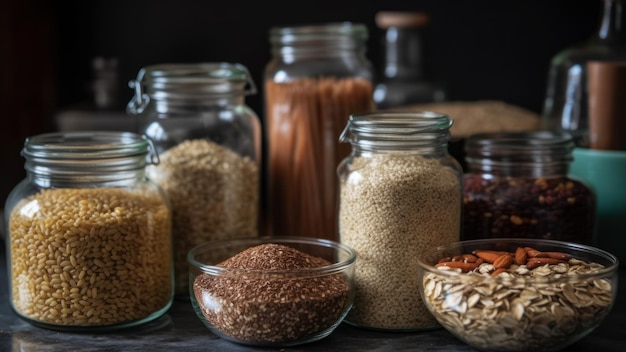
{"points": [[520, 256], [558, 255], [503, 262], [497, 272], [465, 267], [469, 258], [488, 256], [444, 259], [537, 262], [531, 252]]}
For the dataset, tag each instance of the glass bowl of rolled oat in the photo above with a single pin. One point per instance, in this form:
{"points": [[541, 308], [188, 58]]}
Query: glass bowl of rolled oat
{"points": [[278, 291], [509, 294]]}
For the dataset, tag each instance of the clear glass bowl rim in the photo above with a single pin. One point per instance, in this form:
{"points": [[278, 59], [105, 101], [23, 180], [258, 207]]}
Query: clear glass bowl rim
{"points": [[284, 240], [488, 244]]}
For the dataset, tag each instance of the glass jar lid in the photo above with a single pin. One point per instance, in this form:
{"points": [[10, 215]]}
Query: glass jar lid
{"points": [[87, 155], [189, 82], [489, 150], [397, 130], [340, 35]]}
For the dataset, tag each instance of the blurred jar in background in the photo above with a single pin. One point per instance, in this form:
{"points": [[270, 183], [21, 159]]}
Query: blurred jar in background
{"points": [[566, 102], [404, 78], [317, 77]]}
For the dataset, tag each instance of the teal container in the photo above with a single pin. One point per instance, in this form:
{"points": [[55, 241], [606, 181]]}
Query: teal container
{"points": [[605, 172]]}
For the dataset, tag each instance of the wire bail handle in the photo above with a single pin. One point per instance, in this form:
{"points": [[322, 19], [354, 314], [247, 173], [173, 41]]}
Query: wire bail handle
{"points": [[140, 100]]}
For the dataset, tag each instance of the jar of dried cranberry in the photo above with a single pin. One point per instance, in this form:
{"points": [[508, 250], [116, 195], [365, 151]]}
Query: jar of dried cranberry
{"points": [[517, 185]]}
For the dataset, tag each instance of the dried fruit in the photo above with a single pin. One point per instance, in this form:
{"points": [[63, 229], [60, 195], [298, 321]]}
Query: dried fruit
{"points": [[553, 208]]}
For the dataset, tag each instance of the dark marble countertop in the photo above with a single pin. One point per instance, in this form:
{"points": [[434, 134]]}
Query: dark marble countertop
{"points": [[180, 329]]}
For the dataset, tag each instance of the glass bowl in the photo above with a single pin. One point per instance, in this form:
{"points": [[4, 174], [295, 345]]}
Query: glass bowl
{"points": [[274, 296], [540, 300]]}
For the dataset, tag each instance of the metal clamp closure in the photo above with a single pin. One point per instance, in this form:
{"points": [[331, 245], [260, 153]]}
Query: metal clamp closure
{"points": [[140, 100]]}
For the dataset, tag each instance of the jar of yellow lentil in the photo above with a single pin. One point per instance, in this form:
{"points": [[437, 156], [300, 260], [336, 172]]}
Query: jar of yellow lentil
{"points": [[88, 235]]}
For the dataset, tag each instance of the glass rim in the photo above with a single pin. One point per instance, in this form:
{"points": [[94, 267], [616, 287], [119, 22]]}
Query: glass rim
{"points": [[200, 71], [521, 140], [215, 270], [564, 245], [84, 144], [344, 28], [382, 128]]}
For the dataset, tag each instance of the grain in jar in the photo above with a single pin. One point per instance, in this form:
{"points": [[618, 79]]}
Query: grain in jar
{"points": [[400, 193], [317, 77], [210, 145], [89, 236]]}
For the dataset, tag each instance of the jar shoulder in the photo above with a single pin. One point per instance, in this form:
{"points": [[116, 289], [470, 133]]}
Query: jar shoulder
{"points": [[279, 70]]}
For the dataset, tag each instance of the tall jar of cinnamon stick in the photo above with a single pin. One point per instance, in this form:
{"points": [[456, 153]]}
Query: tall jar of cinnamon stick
{"points": [[317, 77]]}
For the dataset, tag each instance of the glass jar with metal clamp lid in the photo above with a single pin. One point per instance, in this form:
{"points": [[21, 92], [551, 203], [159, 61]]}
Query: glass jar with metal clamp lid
{"points": [[88, 234], [518, 185], [209, 141]]}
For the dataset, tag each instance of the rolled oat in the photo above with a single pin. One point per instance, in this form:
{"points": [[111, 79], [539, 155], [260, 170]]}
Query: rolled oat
{"points": [[521, 308]]}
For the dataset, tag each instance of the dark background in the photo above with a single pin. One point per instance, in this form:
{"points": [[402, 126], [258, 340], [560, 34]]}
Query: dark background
{"points": [[481, 49]]}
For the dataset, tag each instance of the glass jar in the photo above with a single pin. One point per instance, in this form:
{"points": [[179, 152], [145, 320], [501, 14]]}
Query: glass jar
{"points": [[566, 102], [209, 142], [405, 78], [400, 193], [88, 235], [317, 77], [517, 185]]}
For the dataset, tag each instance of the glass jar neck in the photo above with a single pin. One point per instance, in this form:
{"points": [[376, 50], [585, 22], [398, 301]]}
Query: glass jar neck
{"points": [[177, 87], [87, 159], [425, 133], [190, 105], [403, 53], [532, 154], [404, 43], [611, 29], [318, 41]]}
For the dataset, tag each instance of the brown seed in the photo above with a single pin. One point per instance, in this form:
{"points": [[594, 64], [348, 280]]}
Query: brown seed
{"points": [[503, 262], [275, 308], [445, 259], [520, 256]]}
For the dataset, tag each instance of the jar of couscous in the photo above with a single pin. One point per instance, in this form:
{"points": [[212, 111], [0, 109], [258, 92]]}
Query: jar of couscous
{"points": [[209, 143], [400, 193], [88, 235]]}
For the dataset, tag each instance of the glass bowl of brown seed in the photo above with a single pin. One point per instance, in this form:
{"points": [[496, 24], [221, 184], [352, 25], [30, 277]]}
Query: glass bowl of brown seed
{"points": [[272, 291], [508, 294]]}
